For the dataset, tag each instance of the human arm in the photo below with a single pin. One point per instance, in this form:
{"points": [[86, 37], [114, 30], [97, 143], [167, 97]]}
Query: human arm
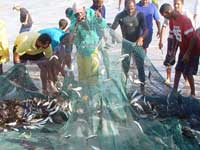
{"points": [[119, 4], [187, 54], [115, 23], [26, 20], [144, 29], [48, 52], [162, 32], [189, 35], [157, 20], [24, 16], [16, 59], [158, 28]]}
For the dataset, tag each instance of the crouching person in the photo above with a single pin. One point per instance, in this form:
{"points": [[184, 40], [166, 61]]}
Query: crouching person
{"points": [[32, 46], [62, 58]]}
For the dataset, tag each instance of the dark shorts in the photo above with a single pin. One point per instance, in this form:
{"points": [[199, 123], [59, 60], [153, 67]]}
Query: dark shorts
{"points": [[24, 58], [147, 40], [190, 68]]}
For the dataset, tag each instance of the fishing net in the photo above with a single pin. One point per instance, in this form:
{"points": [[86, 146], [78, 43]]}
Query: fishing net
{"points": [[124, 108]]}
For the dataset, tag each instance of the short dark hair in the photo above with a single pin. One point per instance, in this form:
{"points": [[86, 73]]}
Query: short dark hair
{"points": [[129, 1], [63, 22], [69, 12], [165, 7], [44, 38], [182, 1]]}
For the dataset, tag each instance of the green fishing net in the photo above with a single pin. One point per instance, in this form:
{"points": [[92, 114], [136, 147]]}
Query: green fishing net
{"points": [[102, 116]]}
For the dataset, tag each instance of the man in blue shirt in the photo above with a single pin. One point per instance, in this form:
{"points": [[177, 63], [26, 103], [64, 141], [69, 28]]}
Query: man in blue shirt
{"points": [[55, 33], [62, 48], [150, 12]]}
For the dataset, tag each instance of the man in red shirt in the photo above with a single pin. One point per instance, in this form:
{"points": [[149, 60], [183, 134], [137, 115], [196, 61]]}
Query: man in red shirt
{"points": [[181, 28]]}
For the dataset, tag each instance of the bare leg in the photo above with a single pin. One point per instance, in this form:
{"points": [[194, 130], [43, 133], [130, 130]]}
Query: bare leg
{"points": [[177, 79], [168, 79], [68, 62], [120, 1], [54, 69], [187, 84], [43, 76], [192, 86]]}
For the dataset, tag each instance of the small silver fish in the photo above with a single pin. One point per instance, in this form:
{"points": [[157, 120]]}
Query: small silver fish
{"points": [[91, 137], [136, 99], [95, 148], [67, 136], [149, 105], [12, 124], [15, 129], [130, 78], [55, 111], [103, 71], [138, 106], [139, 126], [77, 89], [49, 106], [46, 103], [138, 82], [65, 93], [26, 136], [42, 122]]}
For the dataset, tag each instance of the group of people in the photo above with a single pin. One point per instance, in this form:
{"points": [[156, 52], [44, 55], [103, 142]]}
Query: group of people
{"points": [[51, 47], [137, 17], [182, 35]]}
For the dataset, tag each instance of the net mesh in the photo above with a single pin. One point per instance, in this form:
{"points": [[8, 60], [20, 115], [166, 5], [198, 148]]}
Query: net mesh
{"points": [[111, 114]]}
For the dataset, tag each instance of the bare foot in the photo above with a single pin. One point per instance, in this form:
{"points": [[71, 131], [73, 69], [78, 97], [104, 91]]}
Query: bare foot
{"points": [[167, 81]]}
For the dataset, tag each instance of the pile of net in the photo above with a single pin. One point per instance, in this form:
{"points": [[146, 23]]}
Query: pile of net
{"points": [[113, 114]]}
